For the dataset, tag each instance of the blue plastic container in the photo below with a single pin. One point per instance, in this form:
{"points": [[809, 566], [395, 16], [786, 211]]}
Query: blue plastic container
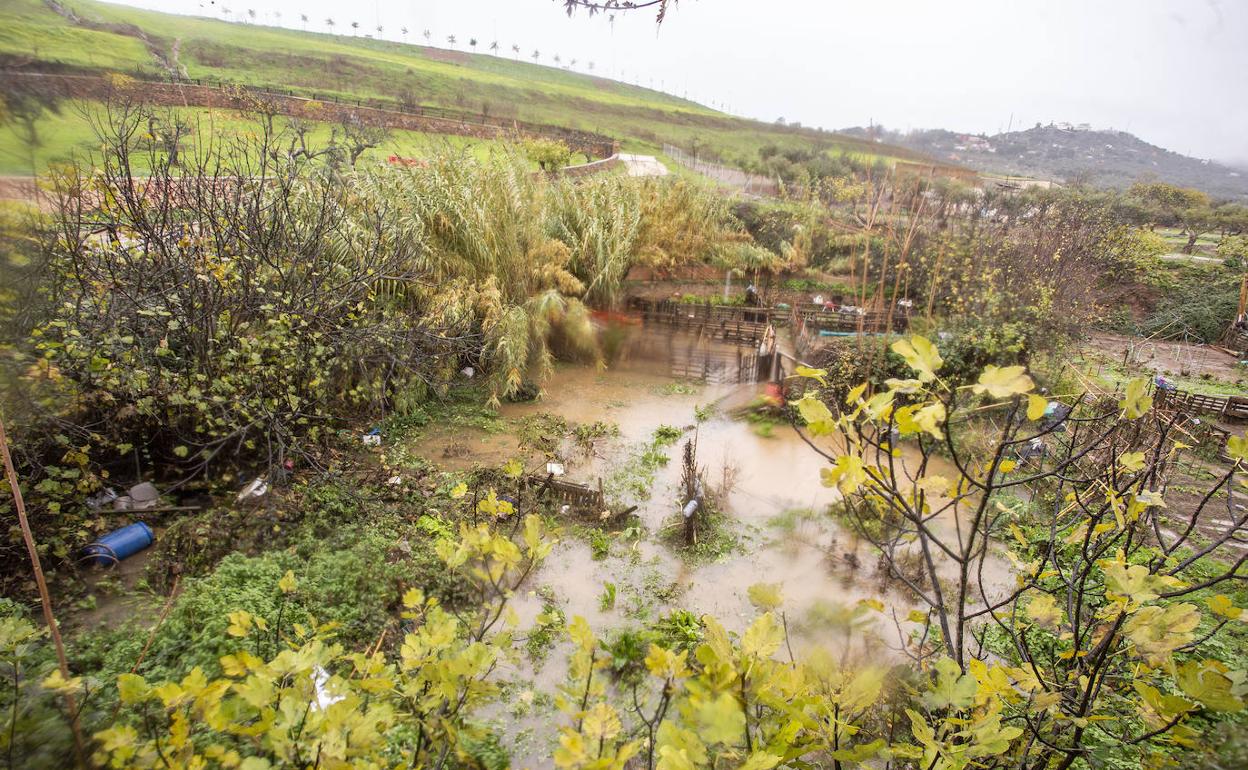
{"points": [[120, 544]]}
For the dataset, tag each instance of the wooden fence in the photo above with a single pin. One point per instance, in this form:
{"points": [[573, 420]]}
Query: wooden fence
{"points": [[717, 367], [719, 322], [1225, 407]]}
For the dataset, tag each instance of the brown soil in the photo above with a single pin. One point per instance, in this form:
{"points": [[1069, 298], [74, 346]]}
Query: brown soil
{"points": [[1178, 358], [1184, 493], [442, 54]]}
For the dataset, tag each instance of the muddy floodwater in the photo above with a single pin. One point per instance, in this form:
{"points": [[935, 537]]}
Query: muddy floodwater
{"points": [[777, 528]]}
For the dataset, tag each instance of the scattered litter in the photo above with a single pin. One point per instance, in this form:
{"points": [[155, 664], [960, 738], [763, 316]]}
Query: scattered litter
{"points": [[373, 437], [120, 544], [257, 488], [324, 698], [104, 497], [1034, 449], [554, 468], [565, 508], [143, 495], [394, 481], [468, 372]]}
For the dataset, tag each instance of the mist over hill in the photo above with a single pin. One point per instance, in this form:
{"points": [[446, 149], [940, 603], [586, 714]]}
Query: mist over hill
{"points": [[1070, 154]]}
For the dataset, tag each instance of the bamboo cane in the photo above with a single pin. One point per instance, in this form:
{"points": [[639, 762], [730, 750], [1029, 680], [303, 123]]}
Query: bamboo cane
{"points": [[48, 616]]}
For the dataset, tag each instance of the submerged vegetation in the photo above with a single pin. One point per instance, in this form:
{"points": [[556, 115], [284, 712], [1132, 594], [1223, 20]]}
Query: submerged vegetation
{"points": [[1063, 592]]}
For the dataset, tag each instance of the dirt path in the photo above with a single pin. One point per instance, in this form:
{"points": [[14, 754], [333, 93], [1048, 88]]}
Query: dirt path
{"points": [[643, 165]]}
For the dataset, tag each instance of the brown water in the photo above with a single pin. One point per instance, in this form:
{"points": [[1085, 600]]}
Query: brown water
{"points": [[777, 510]]}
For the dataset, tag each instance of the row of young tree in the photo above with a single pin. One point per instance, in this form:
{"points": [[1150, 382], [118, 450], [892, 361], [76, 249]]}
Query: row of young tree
{"points": [[494, 47]]}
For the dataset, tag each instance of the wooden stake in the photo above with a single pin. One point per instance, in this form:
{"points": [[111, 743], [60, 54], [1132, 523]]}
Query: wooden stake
{"points": [[48, 617]]}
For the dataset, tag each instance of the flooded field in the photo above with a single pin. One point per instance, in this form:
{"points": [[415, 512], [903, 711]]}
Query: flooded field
{"points": [[776, 526]]}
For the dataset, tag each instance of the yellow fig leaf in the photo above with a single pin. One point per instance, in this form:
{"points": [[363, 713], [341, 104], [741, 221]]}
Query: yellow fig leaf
{"points": [[1237, 447], [1003, 381], [815, 374], [1136, 401], [1044, 611], [765, 596], [601, 723], [763, 637], [847, 475], [1221, 605], [920, 355], [815, 414]]}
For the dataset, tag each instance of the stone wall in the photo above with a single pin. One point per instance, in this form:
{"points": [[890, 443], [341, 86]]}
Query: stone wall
{"points": [[589, 169]]}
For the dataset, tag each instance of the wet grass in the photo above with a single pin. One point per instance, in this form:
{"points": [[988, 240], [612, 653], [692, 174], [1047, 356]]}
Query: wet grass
{"points": [[634, 478]]}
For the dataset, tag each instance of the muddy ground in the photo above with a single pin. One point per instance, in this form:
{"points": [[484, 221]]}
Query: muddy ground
{"points": [[1182, 359]]}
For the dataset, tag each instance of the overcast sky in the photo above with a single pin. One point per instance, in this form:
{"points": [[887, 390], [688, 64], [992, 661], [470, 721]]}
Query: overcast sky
{"points": [[1174, 72]]}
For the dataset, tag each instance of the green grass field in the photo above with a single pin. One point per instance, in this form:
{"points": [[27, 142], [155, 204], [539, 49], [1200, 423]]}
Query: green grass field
{"points": [[70, 135], [105, 39]]}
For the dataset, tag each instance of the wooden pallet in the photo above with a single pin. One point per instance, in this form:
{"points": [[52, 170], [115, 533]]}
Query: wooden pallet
{"points": [[578, 496], [1227, 407]]}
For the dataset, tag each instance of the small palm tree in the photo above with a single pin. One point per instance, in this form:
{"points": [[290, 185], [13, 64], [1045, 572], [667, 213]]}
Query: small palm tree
{"points": [[225, 11], [472, 41], [536, 54], [556, 58], [427, 35], [251, 14], [355, 27], [494, 48], [303, 17], [572, 64], [403, 31], [515, 51], [380, 29], [451, 39], [330, 23]]}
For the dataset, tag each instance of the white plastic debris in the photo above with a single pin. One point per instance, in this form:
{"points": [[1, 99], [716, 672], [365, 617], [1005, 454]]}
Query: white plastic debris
{"points": [[143, 495], [105, 497], [555, 469], [257, 488], [372, 439], [468, 372], [394, 481], [324, 698]]}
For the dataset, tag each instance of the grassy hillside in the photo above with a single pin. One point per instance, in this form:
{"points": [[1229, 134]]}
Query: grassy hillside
{"points": [[69, 134], [91, 36]]}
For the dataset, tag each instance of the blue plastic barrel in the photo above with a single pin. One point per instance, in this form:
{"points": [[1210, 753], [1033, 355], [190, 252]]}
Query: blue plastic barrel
{"points": [[121, 544]]}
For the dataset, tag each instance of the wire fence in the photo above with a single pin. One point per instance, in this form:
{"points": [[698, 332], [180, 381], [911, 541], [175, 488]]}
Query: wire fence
{"points": [[750, 184]]}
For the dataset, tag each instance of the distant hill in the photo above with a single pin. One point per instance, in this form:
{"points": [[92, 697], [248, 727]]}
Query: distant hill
{"points": [[84, 36], [1068, 154]]}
